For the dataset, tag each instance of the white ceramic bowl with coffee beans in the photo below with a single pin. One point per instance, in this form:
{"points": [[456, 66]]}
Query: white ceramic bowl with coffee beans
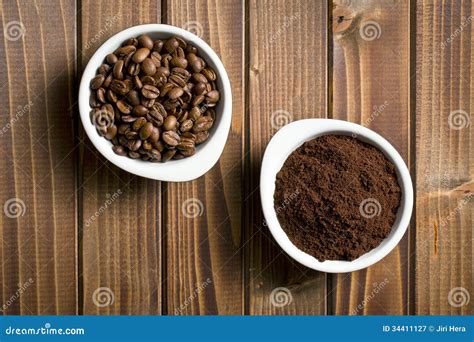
{"points": [[286, 141], [156, 101]]}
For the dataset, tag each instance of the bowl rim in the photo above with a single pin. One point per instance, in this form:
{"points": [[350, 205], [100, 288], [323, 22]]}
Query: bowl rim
{"points": [[182, 170], [308, 129]]}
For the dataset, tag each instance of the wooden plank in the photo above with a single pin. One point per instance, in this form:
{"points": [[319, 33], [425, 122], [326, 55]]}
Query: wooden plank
{"points": [[204, 255], [121, 260], [371, 87], [37, 186], [445, 164], [288, 55]]}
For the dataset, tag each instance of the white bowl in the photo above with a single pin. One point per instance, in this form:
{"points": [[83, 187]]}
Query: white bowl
{"points": [[290, 137], [207, 153]]}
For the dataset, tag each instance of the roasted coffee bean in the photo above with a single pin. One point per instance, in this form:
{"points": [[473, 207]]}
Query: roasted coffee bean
{"points": [[154, 99], [171, 138], [170, 123], [111, 96], [120, 150], [209, 73], [146, 131], [171, 45], [119, 87], [212, 96], [168, 155], [133, 98], [97, 81], [140, 110], [118, 70], [174, 93], [186, 125], [138, 123], [148, 67], [201, 137], [204, 123], [145, 41], [103, 69], [140, 55], [150, 92], [124, 107]]}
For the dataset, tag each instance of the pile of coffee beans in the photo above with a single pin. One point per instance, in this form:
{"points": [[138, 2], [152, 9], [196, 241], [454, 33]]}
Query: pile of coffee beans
{"points": [[154, 99]]}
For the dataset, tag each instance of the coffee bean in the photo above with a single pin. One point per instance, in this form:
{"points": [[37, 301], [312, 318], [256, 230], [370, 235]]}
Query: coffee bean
{"points": [[204, 123], [148, 66], [140, 110], [145, 41], [170, 123], [171, 138], [175, 93], [171, 45], [186, 125], [201, 137], [146, 131], [154, 99], [97, 81], [140, 55], [150, 92]]}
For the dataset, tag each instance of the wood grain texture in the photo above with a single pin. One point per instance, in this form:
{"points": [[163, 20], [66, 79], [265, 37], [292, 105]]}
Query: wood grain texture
{"points": [[121, 213], [287, 81], [37, 186], [445, 163], [371, 87], [204, 254]]}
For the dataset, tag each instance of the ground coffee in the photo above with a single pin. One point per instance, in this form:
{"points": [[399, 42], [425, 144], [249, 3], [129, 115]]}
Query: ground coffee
{"points": [[336, 197]]}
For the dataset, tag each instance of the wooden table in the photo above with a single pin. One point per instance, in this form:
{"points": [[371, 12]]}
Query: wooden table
{"points": [[70, 245]]}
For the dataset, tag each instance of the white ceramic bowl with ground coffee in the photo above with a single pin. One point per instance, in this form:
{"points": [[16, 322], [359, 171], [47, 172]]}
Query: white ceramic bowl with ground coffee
{"points": [[295, 134], [207, 153]]}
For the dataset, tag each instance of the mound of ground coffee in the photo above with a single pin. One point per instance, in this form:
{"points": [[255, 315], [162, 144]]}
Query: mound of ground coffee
{"points": [[336, 197]]}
